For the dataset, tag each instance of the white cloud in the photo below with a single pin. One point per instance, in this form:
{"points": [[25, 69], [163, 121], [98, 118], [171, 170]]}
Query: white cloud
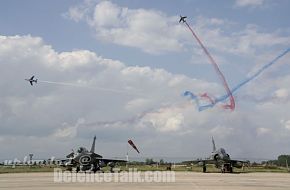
{"points": [[281, 93], [136, 104], [81, 58], [249, 3], [49, 109], [78, 13], [262, 130], [222, 131], [68, 131], [286, 124], [165, 119], [140, 28], [162, 113]]}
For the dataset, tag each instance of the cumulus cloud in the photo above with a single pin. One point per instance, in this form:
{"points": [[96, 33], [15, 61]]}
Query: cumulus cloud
{"points": [[51, 111], [166, 119], [152, 109], [140, 28]]}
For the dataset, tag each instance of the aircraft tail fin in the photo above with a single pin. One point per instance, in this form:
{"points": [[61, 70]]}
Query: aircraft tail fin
{"points": [[213, 145], [93, 145]]}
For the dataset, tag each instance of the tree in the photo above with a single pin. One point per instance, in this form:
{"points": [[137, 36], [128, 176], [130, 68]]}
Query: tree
{"points": [[282, 160], [149, 161]]}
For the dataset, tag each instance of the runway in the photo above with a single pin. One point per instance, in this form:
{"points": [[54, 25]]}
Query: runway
{"points": [[183, 180]]}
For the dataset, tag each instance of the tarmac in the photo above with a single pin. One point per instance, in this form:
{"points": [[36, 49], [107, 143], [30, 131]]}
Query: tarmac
{"points": [[183, 180]]}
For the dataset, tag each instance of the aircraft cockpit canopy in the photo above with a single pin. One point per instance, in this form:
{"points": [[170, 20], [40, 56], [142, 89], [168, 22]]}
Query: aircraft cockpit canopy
{"points": [[82, 149]]}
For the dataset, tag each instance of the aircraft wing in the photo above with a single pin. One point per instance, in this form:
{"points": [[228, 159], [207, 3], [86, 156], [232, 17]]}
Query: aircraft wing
{"points": [[235, 163], [96, 155], [32, 78], [111, 160], [31, 83], [238, 163], [70, 155], [207, 161], [241, 161]]}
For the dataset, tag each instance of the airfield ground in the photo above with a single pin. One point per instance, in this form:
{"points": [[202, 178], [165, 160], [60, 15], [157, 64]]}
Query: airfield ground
{"points": [[183, 180]]}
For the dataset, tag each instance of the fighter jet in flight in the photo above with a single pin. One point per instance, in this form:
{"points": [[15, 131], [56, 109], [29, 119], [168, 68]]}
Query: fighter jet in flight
{"points": [[31, 80], [221, 159], [85, 160], [182, 19]]}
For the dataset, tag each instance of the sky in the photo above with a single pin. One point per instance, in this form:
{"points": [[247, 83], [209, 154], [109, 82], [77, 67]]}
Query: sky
{"points": [[118, 69]]}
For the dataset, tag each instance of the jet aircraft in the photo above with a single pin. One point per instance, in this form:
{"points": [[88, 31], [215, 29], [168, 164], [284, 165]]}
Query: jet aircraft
{"points": [[85, 160], [182, 19], [221, 159], [31, 80]]}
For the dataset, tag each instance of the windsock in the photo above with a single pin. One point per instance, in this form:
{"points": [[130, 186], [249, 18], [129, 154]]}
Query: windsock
{"points": [[133, 145]]}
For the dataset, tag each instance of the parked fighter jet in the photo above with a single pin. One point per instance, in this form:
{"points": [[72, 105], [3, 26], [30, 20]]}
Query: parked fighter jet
{"points": [[85, 160], [221, 160], [31, 80], [182, 19]]}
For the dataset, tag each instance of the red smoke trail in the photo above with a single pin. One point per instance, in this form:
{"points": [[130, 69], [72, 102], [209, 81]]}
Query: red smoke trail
{"points": [[206, 96], [225, 84]]}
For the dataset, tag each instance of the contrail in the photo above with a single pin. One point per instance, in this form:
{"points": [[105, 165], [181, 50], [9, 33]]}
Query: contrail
{"points": [[218, 71], [238, 86], [92, 87]]}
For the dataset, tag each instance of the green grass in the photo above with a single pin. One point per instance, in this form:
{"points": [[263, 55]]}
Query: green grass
{"points": [[193, 168], [25, 169]]}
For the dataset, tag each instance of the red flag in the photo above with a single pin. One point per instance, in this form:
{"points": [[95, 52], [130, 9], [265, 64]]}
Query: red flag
{"points": [[133, 145]]}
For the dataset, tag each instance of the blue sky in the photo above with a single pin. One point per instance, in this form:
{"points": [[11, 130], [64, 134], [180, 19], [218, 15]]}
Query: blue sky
{"points": [[139, 47]]}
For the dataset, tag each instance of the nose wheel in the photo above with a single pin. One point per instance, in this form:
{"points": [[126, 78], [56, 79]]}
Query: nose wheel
{"points": [[227, 168], [204, 169]]}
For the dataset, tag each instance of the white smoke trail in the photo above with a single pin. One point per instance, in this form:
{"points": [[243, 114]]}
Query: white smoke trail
{"points": [[93, 87]]}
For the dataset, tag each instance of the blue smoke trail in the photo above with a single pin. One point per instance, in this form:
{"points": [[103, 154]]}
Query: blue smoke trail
{"points": [[241, 84]]}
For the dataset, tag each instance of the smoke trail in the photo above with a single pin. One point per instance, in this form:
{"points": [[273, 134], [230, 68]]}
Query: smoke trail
{"points": [[255, 75], [206, 96], [237, 87], [219, 73], [131, 121], [91, 87]]}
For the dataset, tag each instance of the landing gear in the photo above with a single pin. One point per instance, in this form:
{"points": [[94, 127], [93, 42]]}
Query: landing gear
{"points": [[78, 169], [204, 169], [95, 168], [111, 165], [227, 168]]}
